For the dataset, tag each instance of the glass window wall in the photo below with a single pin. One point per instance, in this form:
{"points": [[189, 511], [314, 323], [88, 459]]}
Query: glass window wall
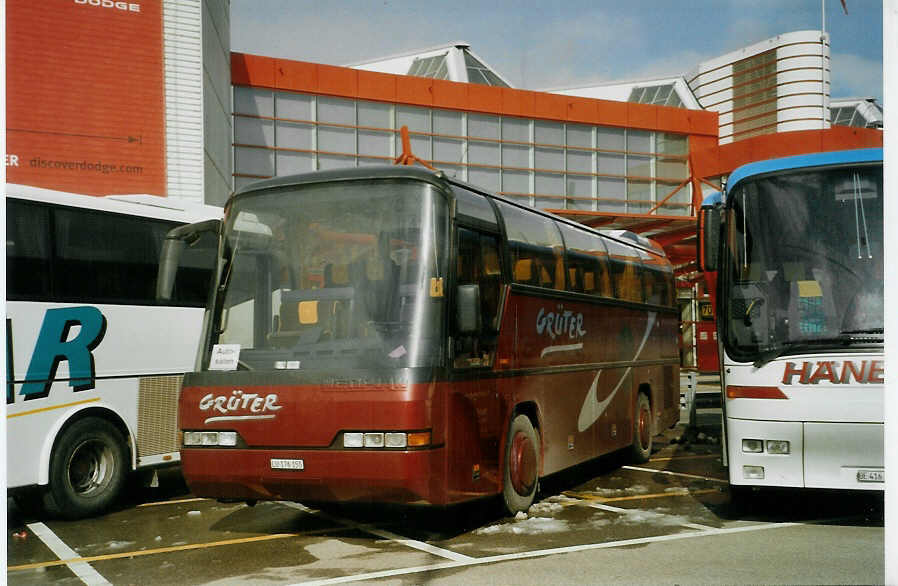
{"points": [[541, 163]]}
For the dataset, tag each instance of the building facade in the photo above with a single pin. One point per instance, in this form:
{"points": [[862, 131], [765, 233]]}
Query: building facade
{"points": [[585, 158], [146, 110], [781, 84]]}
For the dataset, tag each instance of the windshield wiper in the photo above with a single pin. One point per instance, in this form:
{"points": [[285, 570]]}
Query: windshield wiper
{"points": [[868, 336], [770, 354], [846, 338]]}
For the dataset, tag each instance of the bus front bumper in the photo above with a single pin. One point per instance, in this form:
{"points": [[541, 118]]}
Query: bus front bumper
{"points": [[406, 477], [832, 455]]}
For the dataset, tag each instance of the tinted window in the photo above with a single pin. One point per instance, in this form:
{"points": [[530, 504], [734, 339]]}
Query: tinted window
{"points": [[195, 266], [106, 257], [535, 248], [587, 262], [71, 254], [474, 206], [27, 250], [657, 280], [626, 271], [478, 264]]}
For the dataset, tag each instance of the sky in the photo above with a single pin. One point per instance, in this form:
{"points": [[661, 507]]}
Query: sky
{"points": [[549, 44]]}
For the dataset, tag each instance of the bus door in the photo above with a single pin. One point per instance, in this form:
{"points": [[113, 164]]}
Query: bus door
{"points": [[475, 421]]}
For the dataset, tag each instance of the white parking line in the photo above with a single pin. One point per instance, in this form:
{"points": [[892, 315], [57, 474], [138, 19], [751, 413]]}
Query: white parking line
{"points": [[606, 508], [546, 552], [413, 543], [669, 473], [83, 570]]}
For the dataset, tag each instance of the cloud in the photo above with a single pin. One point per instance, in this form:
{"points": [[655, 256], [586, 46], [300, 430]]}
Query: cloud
{"points": [[854, 76]]}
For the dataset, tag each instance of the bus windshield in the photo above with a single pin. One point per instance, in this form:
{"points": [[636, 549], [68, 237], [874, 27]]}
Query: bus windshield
{"points": [[804, 269], [334, 276]]}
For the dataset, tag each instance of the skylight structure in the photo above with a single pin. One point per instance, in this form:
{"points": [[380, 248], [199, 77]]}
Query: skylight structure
{"points": [[453, 62], [659, 95]]}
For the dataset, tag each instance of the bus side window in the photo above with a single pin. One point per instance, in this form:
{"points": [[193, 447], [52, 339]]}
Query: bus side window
{"points": [[656, 278], [587, 262], [626, 271], [478, 264], [534, 238], [27, 251]]}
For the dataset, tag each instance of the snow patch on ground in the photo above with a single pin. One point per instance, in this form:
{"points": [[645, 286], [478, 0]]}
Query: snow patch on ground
{"points": [[563, 499], [630, 490], [600, 522], [531, 526], [545, 508], [655, 517]]}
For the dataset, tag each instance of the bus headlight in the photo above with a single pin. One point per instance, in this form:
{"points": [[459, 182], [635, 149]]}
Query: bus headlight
{"points": [[777, 447], [395, 440], [753, 472], [374, 440], [386, 439], [753, 446], [210, 438]]}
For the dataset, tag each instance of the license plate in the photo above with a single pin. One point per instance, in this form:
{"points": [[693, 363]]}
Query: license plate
{"points": [[871, 476], [282, 464]]}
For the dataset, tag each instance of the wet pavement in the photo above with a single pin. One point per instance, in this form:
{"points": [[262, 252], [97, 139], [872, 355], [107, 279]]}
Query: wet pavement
{"points": [[592, 524]]}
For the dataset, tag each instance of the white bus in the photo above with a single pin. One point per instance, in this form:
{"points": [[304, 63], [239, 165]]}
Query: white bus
{"points": [[94, 362], [798, 245]]}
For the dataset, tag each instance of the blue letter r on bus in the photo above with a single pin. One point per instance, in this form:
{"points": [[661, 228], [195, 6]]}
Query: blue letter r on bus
{"points": [[53, 347]]}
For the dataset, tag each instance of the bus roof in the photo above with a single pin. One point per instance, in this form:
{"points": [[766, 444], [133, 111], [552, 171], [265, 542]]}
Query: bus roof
{"points": [[345, 174], [141, 205], [803, 161]]}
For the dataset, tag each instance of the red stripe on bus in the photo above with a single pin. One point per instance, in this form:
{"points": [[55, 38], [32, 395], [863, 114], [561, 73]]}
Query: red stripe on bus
{"points": [[739, 392]]}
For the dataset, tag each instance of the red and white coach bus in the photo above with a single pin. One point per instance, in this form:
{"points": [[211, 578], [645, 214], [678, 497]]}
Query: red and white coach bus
{"points": [[798, 243], [390, 334]]}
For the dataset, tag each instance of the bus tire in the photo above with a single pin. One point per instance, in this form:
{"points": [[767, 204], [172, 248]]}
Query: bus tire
{"points": [[641, 448], [87, 469], [521, 474]]}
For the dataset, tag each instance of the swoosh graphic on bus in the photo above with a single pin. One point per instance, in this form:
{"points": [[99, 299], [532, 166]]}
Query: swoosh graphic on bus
{"points": [[237, 418], [589, 416], [565, 348]]}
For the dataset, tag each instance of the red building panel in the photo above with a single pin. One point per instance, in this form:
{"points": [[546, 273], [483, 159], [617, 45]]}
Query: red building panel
{"points": [[296, 76], [338, 81], [75, 127]]}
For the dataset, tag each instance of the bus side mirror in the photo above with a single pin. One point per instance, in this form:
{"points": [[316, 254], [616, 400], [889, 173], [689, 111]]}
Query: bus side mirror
{"points": [[467, 313], [709, 227], [176, 241], [168, 267]]}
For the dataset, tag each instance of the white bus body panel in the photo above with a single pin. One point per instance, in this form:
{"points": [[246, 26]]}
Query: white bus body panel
{"points": [[139, 361], [156, 344], [833, 421]]}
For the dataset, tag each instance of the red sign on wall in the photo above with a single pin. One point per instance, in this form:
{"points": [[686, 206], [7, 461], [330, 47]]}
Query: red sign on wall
{"points": [[85, 96]]}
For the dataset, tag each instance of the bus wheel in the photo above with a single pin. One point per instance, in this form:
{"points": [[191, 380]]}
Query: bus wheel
{"points": [[642, 430], [87, 469], [521, 478]]}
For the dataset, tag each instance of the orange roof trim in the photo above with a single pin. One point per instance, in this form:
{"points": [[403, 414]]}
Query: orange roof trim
{"points": [[299, 76]]}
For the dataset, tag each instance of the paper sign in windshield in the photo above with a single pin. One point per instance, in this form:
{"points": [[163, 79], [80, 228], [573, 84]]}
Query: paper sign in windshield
{"points": [[224, 357]]}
